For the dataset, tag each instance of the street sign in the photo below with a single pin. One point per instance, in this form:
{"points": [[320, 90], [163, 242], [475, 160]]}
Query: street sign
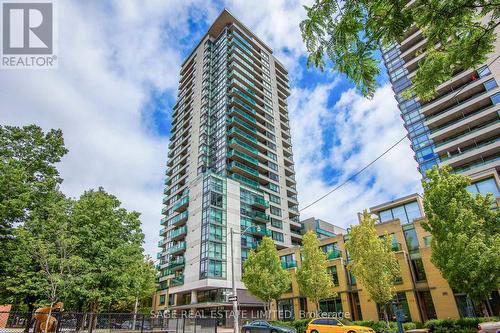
{"points": [[232, 298]]}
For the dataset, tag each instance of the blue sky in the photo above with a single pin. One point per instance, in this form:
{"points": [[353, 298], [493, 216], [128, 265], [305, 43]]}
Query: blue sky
{"points": [[116, 83]]}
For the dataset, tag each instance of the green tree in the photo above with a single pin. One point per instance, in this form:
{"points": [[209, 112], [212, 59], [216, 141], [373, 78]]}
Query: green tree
{"points": [[109, 244], [373, 262], [465, 233], [28, 178], [313, 278], [460, 35], [263, 275]]}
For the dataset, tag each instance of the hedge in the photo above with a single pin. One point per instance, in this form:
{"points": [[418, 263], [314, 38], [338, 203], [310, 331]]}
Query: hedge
{"points": [[464, 325]]}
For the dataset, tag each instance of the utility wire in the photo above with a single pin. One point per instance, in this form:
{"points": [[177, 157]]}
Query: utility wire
{"points": [[384, 153]]}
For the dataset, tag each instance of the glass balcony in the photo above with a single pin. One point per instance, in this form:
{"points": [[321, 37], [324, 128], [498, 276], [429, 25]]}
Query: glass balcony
{"points": [[259, 202], [177, 263], [288, 264], [176, 233], [244, 95], [260, 216], [244, 180], [488, 124], [232, 153], [163, 231], [244, 145], [176, 281], [178, 218], [243, 167], [240, 122], [244, 115], [181, 204], [163, 221], [239, 132], [181, 246]]}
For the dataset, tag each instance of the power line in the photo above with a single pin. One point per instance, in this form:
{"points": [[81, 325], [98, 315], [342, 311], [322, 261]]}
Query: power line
{"points": [[385, 152]]}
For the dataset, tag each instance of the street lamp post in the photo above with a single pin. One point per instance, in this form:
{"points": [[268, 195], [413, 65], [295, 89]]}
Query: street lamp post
{"points": [[236, 324]]}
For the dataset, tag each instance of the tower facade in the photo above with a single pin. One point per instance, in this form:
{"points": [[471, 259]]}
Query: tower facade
{"points": [[460, 127], [230, 167]]}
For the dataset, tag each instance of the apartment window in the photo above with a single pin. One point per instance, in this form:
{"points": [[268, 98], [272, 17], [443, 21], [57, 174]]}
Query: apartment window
{"points": [[274, 187], [275, 210], [331, 305], [483, 71], [335, 276], [276, 223], [485, 186], [162, 299], [272, 165], [405, 213], [495, 99], [275, 199], [411, 240], [277, 236], [285, 310], [418, 268], [490, 84], [427, 241], [274, 176]]}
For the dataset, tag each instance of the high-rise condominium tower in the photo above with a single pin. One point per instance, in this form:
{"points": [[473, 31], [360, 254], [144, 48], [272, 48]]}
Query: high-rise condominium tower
{"points": [[230, 166], [461, 125]]}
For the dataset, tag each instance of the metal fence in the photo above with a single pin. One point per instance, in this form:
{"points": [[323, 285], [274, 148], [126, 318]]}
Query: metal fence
{"points": [[23, 322]]}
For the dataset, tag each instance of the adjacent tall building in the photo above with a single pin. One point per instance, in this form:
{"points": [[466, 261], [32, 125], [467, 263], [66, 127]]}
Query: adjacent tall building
{"points": [[461, 125], [230, 167]]}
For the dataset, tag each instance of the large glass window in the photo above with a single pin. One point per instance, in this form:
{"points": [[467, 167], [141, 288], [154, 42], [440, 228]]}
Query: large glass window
{"points": [[485, 186], [285, 309], [331, 305], [405, 213], [490, 84], [411, 240]]}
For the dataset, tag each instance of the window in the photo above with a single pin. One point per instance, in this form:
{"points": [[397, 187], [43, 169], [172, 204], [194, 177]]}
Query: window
{"points": [[490, 84], [483, 71], [275, 199], [411, 240], [495, 99], [335, 276], [277, 236], [162, 299], [276, 223], [485, 186], [418, 268], [275, 210], [405, 213], [331, 305], [285, 310], [274, 187], [427, 241]]}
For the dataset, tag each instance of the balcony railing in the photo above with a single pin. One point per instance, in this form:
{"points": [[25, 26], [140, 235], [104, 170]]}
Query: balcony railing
{"points": [[177, 232], [244, 145], [178, 218], [181, 203], [236, 130], [260, 216], [241, 166], [242, 123], [466, 133], [181, 246], [176, 281], [232, 152], [178, 262], [245, 180]]}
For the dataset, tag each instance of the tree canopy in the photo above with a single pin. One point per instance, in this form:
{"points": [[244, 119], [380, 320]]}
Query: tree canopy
{"points": [[373, 262], [313, 278], [262, 273], [465, 233], [459, 34], [86, 252]]}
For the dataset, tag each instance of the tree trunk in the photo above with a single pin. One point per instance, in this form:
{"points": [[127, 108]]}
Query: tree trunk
{"points": [[386, 317], [484, 308], [318, 310], [29, 318], [48, 317]]}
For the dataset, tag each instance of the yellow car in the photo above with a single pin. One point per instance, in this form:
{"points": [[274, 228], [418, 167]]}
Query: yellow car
{"points": [[335, 325]]}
